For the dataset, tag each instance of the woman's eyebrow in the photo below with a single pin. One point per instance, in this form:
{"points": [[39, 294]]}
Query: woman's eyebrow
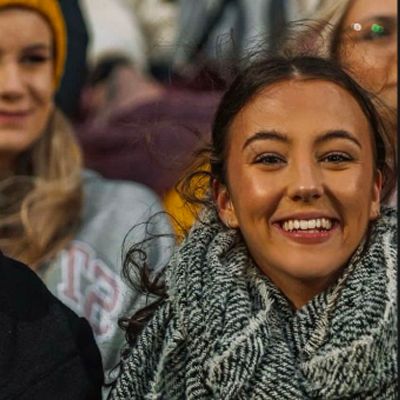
{"points": [[379, 17], [35, 47], [337, 134], [38, 46], [265, 135]]}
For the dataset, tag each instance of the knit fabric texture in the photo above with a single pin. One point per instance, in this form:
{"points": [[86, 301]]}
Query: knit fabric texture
{"points": [[51, 11], [226, 332]]}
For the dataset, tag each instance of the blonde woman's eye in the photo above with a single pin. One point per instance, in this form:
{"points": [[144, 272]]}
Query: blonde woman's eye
{"points": [[33, 59]]}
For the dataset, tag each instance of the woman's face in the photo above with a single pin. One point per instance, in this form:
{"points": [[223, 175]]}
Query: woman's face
{"points": [[301, 182], [368, 46], [26, 81]]}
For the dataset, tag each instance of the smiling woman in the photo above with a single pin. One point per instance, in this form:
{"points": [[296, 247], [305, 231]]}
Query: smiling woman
{"points": [[39, 158], [286, 286], [292, 171], [27, 82]]}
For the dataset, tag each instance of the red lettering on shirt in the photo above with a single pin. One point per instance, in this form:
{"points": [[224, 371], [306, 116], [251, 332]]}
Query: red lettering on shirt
{"points": [[89, 287]]}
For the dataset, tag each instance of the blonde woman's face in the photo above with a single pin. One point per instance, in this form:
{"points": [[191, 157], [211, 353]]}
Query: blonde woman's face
{"points": [[368, 46], [26, 80]]}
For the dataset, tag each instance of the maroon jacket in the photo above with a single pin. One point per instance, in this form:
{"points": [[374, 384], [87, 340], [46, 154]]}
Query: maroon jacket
{"points": [[151, 143]]}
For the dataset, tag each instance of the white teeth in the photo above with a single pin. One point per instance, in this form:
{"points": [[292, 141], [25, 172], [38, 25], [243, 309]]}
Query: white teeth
{"points": [[303, 224], [310, 224], [286, 226]]}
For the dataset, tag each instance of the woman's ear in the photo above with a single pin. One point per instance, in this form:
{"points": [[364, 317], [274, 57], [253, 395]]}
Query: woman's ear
{"points": [[375, 208], [226, 209]]}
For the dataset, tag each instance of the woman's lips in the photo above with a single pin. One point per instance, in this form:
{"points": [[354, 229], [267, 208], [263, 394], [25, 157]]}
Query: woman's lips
{"points": [[14, 117], [309, 236]]}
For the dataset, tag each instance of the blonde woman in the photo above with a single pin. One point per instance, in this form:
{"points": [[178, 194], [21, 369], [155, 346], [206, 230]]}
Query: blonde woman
{"points": [[67, 224]]}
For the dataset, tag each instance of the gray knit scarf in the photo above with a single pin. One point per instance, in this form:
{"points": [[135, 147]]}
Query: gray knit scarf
{"points": [[226, 332]]}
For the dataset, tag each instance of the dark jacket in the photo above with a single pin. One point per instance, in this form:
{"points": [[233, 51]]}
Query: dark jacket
{"points": [[46, 351]]}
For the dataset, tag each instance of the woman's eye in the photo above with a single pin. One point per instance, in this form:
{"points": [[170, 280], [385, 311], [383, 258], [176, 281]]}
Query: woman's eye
{"points": [[269, 159], [32, 59], [336, 158], [377, 31]]}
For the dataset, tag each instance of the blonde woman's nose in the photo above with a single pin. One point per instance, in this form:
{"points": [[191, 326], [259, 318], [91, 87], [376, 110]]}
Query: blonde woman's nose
{"points": [[11, 82]]}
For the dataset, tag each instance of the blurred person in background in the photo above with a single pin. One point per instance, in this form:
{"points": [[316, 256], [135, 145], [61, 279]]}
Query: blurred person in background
{"points": [[362, 36], [47, 351], [142, 30], [138, 121], [134, 127], [66, 223], [213, 31]]}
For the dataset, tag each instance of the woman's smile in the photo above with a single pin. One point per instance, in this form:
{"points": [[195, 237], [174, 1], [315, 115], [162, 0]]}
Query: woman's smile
{"points": [[13, 117], [307, 229]]}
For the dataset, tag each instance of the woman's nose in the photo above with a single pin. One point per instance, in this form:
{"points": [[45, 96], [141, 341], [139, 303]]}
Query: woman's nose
{"points": [[305, 183], [11, 82]]}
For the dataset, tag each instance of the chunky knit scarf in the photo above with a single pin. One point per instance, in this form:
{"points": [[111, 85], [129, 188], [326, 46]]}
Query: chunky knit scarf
{"points": [[226, 332]]}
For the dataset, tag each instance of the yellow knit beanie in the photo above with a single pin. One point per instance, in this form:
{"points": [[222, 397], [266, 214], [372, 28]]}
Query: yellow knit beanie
{"points": [[52, 12]]}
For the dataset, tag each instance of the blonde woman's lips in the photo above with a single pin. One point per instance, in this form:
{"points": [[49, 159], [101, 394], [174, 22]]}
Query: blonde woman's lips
{"points": [[11, 117]]}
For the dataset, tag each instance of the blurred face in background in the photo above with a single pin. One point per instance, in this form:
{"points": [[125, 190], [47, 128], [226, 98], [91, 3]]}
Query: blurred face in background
{"points": [[26, 81], [368, 46]]}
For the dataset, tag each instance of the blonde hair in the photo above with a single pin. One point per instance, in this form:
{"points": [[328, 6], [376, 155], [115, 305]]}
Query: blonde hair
{"points": [[40, 206]]}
